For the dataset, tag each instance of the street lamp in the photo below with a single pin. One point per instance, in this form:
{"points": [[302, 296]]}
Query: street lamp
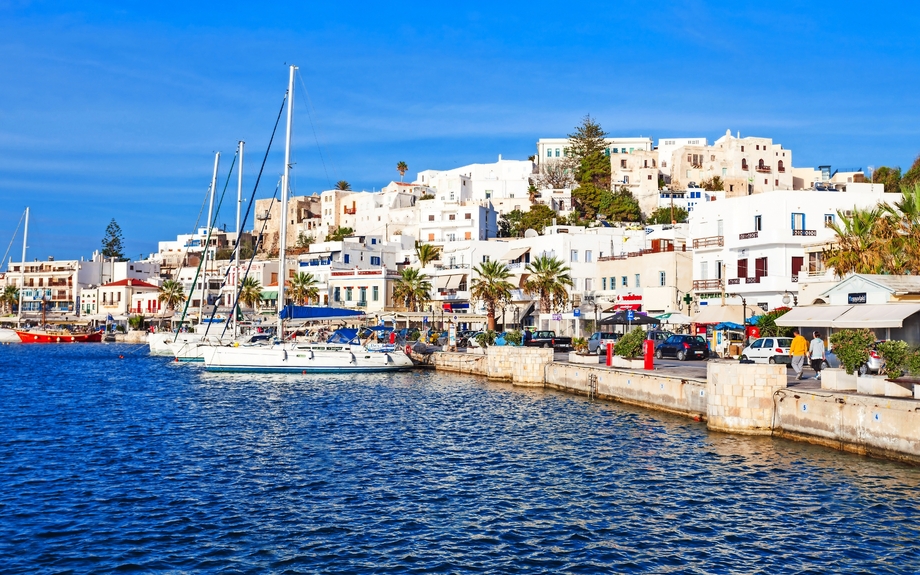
{"points": [[794, 300]]}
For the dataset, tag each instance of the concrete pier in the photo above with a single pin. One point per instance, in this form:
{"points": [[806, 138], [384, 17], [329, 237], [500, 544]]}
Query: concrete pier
{"points": [[749, 399]]}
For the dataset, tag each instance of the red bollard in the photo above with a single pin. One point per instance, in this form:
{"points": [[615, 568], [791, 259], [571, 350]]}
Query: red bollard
{"points": [[609, 354], [648, 347]]}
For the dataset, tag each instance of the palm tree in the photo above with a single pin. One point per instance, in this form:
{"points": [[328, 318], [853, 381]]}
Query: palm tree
{"points": [[427, 253], [549, 278], [171, 293], [412, 288], [250, 291], [303, 288], [859, 247], [343, 185], [402, 168], [10, 297], [491, 287]]}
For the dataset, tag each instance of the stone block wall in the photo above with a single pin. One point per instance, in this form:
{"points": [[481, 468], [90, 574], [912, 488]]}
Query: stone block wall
{"points": [[460, 362], [741, 396], [519, 365]]}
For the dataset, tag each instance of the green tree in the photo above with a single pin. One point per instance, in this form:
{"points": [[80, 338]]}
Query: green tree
{"points": [[863, 243], [889, 177], [339, 234], [548, 281], [303, 288], [537, 218], [305, 241], [250, 291], [112, 242], [171, 294], [10, 298], [509, 225], [412, 288], [663, 216], [620, 206], [586, 200], [912, 176], [491, 287], [427, 253], [767, 323], [402, 168], [713, 184], [343, 185]]}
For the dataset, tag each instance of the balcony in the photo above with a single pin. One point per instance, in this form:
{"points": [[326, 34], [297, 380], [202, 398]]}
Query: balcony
{"points": [[748, 236], [808, 233], [781, 170], [707, 285], [350, 211], [361, 304], [711, 241], [764, 169]]}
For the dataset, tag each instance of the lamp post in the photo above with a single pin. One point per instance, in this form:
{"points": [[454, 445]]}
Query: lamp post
{"points": [[794, 300]]}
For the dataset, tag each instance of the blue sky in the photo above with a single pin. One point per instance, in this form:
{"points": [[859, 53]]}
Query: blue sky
{"points": [[115, 109]]}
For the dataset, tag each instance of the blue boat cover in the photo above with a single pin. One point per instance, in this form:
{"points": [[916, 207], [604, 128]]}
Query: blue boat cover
{"points": [[317, 313]]}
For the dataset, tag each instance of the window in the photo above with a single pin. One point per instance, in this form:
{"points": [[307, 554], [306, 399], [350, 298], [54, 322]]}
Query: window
{"points": [[798, 221], [452, 217], [603, 283], [744, 165], [589, 284], [662, 279], [724, 172], [468, 235], [623, 163], [573, 256], [375, 293], [430, 237], [797, 263], [362, 295], [431, 217], [742, 268], [374, 240], [637, 280], [624, 281], [485, 259], [557, 152], [347, 258], [613, 283], [718, 269], [337, 294], [650, 176], [467, 216], [758, 223], [742, 148], [777, 183], [828, 220], [348, 291], [375, 260], [704, 270], [589, 256], [625, 179], [760, 267], [549, 152]]}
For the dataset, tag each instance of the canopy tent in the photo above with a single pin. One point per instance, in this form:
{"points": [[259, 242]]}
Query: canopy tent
{"points": [[877, 315], [318, 313], [719, 313], [620, 318], [675, 318]]}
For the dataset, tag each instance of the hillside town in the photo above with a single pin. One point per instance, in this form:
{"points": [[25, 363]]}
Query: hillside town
{"points": [[722, 231]]}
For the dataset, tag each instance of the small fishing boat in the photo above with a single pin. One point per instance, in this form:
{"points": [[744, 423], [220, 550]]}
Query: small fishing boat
{"points": [[58, 336]]}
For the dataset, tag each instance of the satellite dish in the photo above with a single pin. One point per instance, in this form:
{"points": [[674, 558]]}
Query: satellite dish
{"points": [[531, 233]]}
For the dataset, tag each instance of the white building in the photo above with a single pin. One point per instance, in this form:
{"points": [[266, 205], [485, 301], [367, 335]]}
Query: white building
{"points": [[552, 149], [754, 246], [666, 148]]}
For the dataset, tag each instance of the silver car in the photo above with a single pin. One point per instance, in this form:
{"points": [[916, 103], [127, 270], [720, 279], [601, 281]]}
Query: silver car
{"points": [[598, 341]]}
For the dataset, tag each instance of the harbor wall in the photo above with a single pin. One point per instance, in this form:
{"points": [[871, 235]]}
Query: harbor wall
{"points": [[750, 399]]}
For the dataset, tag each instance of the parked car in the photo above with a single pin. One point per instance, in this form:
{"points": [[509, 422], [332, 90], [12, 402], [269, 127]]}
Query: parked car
{"points": [[658, 335], [598, 341], [768, 350], [875, 363], [683, 347], [549, 339]]}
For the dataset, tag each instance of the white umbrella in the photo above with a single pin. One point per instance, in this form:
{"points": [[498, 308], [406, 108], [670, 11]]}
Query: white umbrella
{"points": [[675, 318]]}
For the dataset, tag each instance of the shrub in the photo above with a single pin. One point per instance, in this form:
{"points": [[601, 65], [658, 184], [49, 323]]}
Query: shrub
{"points": [[580, 344], [630, 345], [896, 354], [486, 338], [913, 363], [136, 322], [852, 347], [514, 337]]}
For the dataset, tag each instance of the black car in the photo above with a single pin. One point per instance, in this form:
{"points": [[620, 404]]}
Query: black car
{"points": [[683, 347]]}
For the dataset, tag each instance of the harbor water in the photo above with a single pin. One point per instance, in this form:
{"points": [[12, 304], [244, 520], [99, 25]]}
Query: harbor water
{"points": [[137, 464]]}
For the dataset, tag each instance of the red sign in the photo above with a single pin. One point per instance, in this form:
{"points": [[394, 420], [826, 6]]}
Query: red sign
{"points": [[627, 306], [753, 331]]}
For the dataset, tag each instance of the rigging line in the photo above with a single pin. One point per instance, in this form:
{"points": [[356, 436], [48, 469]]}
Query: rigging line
{"points": [[236, 301], [262, 168], [207, 243], [188, 245], [13, 239], [315, 136]]}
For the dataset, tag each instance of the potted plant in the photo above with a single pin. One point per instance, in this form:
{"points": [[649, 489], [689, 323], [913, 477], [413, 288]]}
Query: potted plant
{"points": [[580, 353], [852, 349], [628, 348], [514, 337], [896, 355]]}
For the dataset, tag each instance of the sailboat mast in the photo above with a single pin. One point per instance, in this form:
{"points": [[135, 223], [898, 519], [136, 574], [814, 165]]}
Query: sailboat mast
{"points": [[239, 233], [285, 184], [22, 267], [204, 251]]}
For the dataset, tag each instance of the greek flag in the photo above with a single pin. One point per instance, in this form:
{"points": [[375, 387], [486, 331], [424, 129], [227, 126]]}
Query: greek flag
{"points": [[109, 318]]}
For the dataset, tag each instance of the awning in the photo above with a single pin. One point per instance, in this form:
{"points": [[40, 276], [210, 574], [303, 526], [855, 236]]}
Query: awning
{"points": [[440, 282], [515, 253], [876, 315], [635, 306], [813, 315], [268, 295], [719, 313], [454, 281]]}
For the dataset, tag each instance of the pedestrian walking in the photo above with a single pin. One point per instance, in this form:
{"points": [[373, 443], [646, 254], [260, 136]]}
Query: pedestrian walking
{"points": [[816, 354], [798, 349]]}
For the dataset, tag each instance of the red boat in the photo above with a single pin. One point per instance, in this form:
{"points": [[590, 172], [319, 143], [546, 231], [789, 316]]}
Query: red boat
{"points": [[58, 337]]}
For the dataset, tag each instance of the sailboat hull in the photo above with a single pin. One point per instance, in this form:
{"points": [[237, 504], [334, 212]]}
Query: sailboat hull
{"points": [[300, 358]]}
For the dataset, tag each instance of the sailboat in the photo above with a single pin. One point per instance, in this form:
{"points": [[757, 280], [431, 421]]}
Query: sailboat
{"points": [[348, 355], [9, 335]]}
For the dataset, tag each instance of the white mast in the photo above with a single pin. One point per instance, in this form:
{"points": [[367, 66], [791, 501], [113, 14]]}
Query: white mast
{"points": [[207, 235], [239, 232], [282, 272], [22, 268]]}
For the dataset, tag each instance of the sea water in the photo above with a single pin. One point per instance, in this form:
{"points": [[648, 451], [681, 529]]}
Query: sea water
{"points": [[111, 460]]}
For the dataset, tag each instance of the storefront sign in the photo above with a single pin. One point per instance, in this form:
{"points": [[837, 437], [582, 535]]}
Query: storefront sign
{"points": [[856, 298]]}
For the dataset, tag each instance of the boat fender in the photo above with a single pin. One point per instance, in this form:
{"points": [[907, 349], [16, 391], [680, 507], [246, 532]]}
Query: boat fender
{"points": [[236, 344], [408, 349], [285, 355]]}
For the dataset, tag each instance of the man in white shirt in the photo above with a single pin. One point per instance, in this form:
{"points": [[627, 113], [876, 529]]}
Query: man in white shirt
{"points": [[816, 354]]}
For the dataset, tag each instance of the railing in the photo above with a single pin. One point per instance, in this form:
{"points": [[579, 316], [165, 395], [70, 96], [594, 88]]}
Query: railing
{"points": [[351, 211], [361, 304], [795, 279], [764, 169], [708, 242], [747, 236], [781, 170], [707, 285], [753, 280], [734, 281], [804, 233]]}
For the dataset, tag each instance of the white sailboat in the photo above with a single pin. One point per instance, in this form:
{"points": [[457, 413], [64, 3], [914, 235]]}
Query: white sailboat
{"points": [[10, 335], [294, 357]]}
